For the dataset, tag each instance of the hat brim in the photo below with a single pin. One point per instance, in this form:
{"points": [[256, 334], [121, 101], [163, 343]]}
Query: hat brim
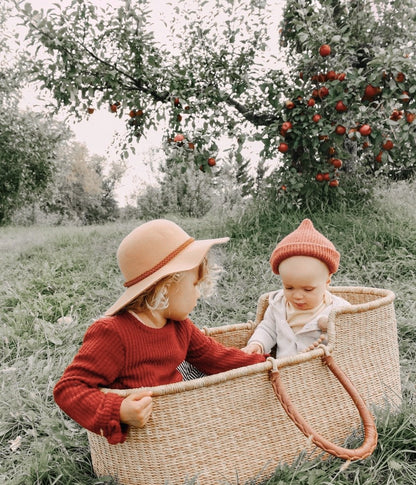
{"points": [[187, 259]]}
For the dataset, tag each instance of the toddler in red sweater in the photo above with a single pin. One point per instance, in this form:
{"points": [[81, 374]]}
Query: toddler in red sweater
{"points": [[146, 334]]}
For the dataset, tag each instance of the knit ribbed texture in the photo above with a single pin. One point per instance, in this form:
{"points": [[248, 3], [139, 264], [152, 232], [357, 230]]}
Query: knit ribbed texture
{"points": [[306, 241], [120, 352]]}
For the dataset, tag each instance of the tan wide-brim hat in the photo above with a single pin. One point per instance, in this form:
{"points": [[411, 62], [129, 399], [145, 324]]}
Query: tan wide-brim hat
{"points": [[154, 250]]}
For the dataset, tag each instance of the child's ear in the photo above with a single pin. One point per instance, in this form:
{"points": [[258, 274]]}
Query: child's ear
{"points": [[328, 281]]}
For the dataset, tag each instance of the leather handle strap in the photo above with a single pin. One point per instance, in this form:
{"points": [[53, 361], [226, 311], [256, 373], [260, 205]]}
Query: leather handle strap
{"points": [[370, 430]]}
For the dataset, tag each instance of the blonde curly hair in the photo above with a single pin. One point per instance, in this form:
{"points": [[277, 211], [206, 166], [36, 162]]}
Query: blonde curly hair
{"points": [[156, 297]]}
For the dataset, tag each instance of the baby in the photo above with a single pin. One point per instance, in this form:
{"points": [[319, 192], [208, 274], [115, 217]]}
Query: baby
{"points": [[297, 315]]}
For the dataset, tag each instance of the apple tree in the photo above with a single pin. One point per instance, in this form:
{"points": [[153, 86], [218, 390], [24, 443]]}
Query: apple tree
{"points": [[350, 108], [27, 139], [200, 79], [340, 108]]}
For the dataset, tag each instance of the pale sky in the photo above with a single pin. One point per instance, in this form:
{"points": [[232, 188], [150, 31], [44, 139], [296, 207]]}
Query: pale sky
{"points": [[98, 130]]}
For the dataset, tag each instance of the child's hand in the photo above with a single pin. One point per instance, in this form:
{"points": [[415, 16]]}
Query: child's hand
{"points": [[253, 348], [135, 409]]}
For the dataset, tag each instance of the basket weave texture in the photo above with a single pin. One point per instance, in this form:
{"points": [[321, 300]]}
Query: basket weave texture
{"points": [[230, 427]]}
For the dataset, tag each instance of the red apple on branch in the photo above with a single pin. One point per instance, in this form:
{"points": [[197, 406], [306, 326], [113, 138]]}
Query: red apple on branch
{"points": [[365, 130], [371, 91], [336, 162], [340, 107], [410, 117], [388, 145], [325, 50], [340, 130], [323, 92], [331, 75], [286, 126], [283, 147]]}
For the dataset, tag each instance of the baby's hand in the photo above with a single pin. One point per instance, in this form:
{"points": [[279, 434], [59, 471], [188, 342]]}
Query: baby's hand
{"points": [[135, 409], [253, 348]]}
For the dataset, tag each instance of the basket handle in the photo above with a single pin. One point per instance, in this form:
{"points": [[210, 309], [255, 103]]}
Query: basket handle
{"points": [[370, 430]]}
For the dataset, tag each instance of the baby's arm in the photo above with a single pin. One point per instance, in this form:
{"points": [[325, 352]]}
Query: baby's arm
{"points": [[264, 336], [136, 408]]}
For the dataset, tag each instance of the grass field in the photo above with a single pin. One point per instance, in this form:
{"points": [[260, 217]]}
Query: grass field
{"points": [[54, 272]]}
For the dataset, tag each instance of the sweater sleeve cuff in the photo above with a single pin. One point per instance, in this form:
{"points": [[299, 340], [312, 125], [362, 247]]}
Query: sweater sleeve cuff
{"points": [[117, 432], [114, 430]]}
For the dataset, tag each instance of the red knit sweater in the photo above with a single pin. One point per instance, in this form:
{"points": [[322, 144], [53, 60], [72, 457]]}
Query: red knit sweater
{"points": [[120, 352]]}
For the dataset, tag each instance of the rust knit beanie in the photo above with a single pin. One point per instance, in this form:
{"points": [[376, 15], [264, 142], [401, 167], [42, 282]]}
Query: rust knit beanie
{"points": [[306, 241]]}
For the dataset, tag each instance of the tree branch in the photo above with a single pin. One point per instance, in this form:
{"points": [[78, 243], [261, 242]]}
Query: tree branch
{"points": [[255, 119]]}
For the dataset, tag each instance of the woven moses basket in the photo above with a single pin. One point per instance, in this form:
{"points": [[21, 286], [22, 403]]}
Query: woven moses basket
{"points": [[231, 427]]}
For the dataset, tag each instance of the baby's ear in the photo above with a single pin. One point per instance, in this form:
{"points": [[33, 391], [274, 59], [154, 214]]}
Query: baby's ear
{"points": [[328, 281]]}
